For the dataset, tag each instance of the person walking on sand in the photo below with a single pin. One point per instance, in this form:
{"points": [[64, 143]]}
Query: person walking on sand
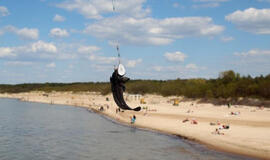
{"points": [[133, 119]]}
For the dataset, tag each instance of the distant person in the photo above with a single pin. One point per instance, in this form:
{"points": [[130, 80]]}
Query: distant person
{"points": [[229, 105], [101, 108], [133, 119]]}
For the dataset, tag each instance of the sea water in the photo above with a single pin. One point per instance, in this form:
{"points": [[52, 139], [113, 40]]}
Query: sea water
{"points": [[35, 131]]}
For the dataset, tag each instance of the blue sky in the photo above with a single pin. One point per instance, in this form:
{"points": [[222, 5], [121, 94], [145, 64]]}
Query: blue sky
{"points": [[74, 40]]}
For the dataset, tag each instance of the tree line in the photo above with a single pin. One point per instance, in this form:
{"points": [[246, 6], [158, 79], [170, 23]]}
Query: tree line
{"points": [[228, 85]]}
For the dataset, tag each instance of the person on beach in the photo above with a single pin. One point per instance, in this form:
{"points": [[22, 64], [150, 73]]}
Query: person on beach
{"points": [[185, 120], [229, 105], [133, 119], [101, 108], [217, 132], [117, 110], [194, 121]]}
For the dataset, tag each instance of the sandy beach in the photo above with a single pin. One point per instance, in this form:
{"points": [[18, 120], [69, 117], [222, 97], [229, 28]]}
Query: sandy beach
{"points": [[237, 129]]}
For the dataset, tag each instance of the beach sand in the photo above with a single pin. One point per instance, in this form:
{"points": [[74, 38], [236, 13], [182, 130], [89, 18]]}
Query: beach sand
{"points": [[248, 133]]}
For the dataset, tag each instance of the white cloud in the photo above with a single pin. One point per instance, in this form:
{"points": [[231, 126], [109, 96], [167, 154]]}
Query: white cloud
{"points": [[106, 62], [41, 46], [59, 18], [24, 33], [18, 63], [157, 68], [101, 68], [88, 49], [58, 32], [102, 59], [253, 52], [94, 9], [227, 39], [175, 57], [28, 33], [152, 31], [6, 52], [133, 63], [43, 49], [51, 65], [191, 66], [3, 11], [175, 69], [102, 63], [251, 20], [254, 61]]}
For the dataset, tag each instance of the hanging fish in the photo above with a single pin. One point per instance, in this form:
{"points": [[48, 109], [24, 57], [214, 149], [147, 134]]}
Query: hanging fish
{"points": [[118, 87], [118, 81]]}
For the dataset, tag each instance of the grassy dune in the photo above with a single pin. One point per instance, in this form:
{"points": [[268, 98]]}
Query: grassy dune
{"points": [[228, 85]]}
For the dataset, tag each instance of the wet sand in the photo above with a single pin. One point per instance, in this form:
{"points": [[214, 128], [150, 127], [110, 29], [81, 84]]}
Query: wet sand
{"points": [[248, 133]]}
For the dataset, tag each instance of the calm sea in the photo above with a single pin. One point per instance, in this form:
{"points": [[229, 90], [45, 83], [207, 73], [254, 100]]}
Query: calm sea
{"points": [[34, 131]]}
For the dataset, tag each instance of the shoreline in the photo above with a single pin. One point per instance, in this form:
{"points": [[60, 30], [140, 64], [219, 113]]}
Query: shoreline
{"points": [[248, 134]]}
